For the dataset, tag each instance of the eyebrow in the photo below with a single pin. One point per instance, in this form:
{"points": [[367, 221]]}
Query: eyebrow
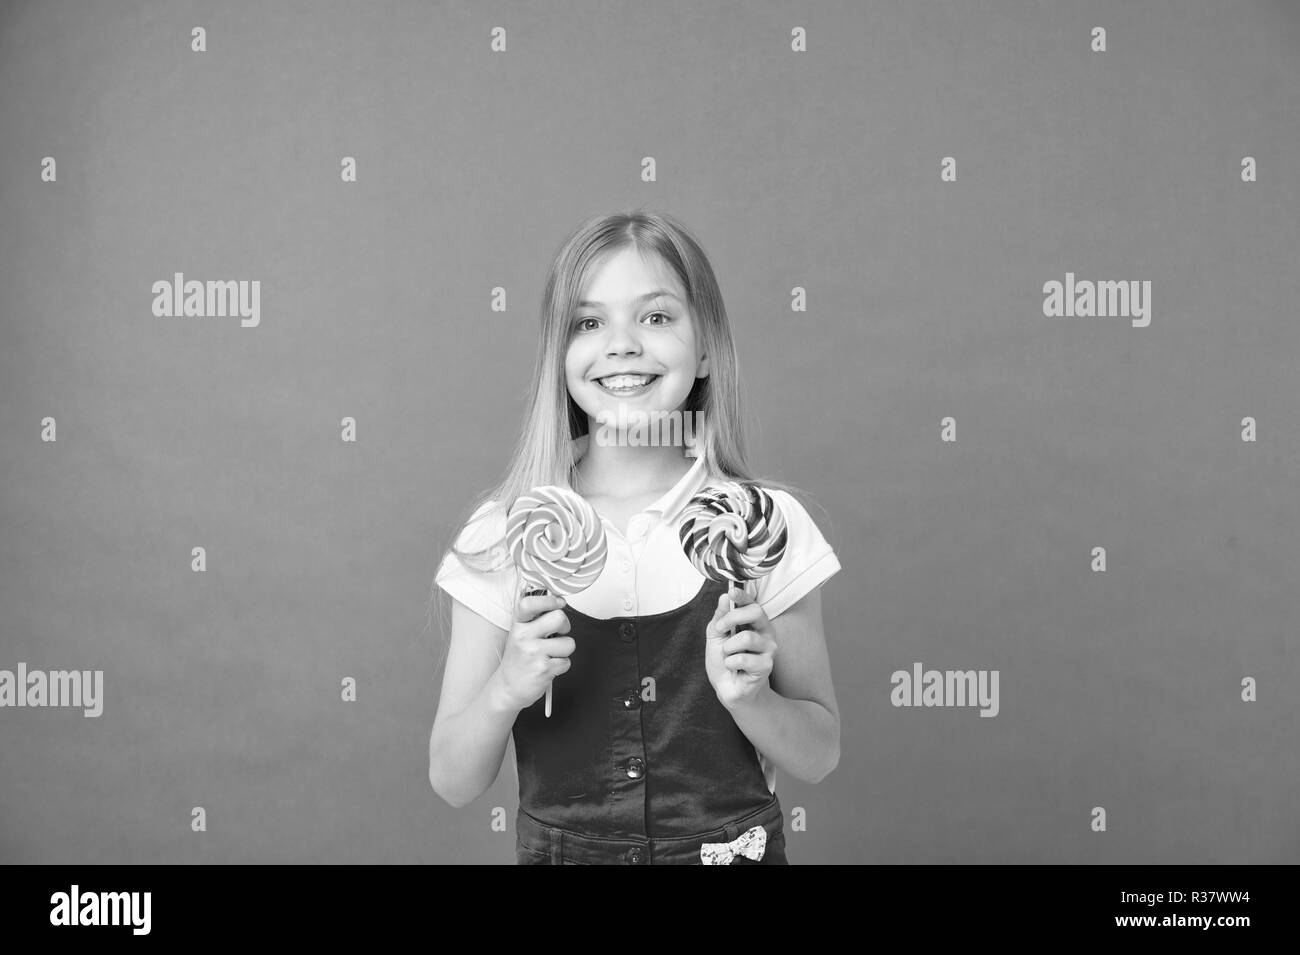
{"points": [[644, 298]]}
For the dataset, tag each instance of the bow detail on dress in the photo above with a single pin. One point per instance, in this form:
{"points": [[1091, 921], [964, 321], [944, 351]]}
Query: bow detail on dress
{"points": [[751, 844]]}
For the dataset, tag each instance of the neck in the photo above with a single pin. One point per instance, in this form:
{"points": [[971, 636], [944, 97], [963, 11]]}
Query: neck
{"points": [[624, 471]]}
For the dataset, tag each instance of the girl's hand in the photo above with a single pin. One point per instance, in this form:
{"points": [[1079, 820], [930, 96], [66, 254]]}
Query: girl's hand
{"points": [[531, 660], [750, 651]]}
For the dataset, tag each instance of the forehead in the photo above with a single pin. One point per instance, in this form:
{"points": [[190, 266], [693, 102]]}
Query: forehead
{"points": [[628, 278]]}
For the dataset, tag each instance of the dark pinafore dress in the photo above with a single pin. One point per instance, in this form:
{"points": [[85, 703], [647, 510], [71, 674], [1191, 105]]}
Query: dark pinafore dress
{"points": [[615, 777]]}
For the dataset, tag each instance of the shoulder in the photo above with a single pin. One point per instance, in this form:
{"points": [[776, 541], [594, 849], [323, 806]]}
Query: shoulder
{"points": [[485, 528], [480, 545], [477, 569], [799, 522], [808, 561]]}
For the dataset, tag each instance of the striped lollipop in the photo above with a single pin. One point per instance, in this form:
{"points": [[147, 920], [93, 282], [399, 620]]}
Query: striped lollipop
{"points": [[733, 532], [557, 542]]}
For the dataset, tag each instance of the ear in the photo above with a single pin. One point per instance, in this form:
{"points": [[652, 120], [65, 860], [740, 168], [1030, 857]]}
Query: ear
{"points": [[702, 369]]}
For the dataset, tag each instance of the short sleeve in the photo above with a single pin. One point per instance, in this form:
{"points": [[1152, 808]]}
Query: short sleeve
{"points": [[489, 593], [808, 563]]}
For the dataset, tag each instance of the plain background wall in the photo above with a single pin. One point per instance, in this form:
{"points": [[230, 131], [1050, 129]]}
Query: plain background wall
{"points": [[820, 170]]}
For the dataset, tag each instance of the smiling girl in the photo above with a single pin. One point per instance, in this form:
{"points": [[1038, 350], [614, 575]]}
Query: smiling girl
{"points": [[667, 729]]}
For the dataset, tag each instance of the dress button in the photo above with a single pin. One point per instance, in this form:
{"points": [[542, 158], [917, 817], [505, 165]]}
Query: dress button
{"points": [[631, 700], [634, 856], [627, 603], [635, 768], [627, 631], [627, 566]]}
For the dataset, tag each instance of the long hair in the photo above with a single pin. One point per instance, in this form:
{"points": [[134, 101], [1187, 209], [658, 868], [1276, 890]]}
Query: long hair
{"points": [[545, 450]]}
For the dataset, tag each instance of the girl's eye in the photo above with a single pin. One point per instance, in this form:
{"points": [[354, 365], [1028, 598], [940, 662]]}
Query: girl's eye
{"points": [[581, 324]]}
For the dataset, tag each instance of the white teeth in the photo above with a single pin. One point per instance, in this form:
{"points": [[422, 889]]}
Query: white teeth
{"points": [[626, 381]]}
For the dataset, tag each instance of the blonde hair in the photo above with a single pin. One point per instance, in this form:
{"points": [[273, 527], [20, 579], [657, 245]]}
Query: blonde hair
{"points": [[544, 452]]}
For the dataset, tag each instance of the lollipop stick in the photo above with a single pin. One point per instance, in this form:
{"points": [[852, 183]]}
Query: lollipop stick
{"points": [[733, 590], [542, 592]]}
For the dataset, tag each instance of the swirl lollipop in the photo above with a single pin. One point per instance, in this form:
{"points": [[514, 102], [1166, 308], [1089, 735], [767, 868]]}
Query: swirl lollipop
{"points": [[557, 542], [733, 532]]}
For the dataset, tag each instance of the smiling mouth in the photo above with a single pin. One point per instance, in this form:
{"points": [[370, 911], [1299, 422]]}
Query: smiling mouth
{"points": [[626, 384]]}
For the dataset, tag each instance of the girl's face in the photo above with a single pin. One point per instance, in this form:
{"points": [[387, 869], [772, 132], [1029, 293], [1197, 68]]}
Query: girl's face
{"points": [[619, 331]]}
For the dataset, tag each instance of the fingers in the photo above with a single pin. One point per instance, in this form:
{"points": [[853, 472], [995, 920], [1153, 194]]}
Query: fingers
{"points": [[553, 624], [543, 667], [741, 616], [749, 651], [550, 624], [538, 649], [748, 641], [547, 658], [558, 646], [742, 596], [754, 664], [528, 609]]}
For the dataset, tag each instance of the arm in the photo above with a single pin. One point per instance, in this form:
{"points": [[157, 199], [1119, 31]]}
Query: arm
{"points": [[793, 718], [474, 718]]}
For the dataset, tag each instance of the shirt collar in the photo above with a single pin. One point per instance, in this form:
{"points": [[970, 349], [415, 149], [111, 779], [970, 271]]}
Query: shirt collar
{"points": [[672, 503]]}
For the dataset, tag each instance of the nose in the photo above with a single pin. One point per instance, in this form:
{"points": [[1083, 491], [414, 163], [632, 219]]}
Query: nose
{"points": [[622, 340]]}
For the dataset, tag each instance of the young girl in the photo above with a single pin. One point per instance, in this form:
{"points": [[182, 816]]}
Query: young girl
{"points": [[666, 731]]}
